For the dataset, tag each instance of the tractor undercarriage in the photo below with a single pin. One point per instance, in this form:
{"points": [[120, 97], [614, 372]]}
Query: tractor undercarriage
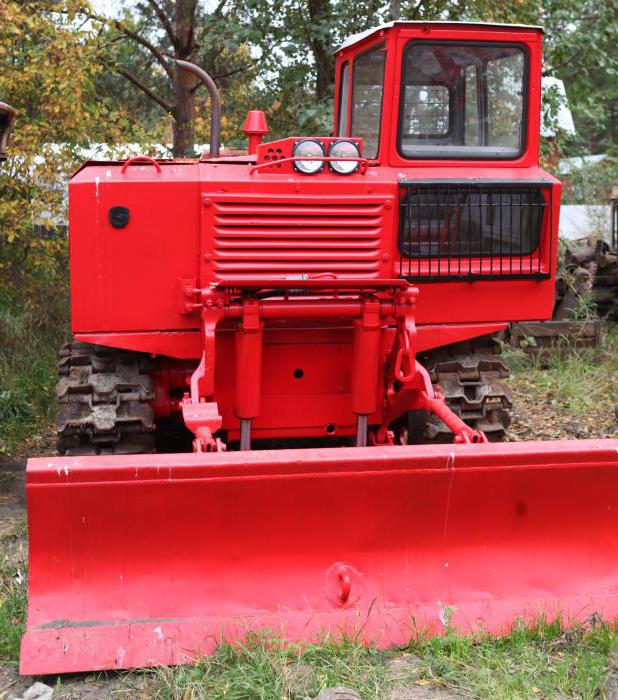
{"points": [[100, 420], [118, 402]]}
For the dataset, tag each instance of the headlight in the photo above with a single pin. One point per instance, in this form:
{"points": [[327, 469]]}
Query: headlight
{"points": [[306, 149], [344, 149]]}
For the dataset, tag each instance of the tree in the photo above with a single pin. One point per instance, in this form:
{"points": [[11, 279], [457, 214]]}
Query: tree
{"points": [[161, 31], [296, 40], [580, 48], [49, 60]]}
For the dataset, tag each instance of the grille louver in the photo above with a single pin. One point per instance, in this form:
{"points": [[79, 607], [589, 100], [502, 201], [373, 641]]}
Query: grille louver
{"points": [[277, 238]]}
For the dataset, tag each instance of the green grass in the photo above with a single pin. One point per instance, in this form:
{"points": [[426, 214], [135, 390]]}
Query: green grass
{"points": [[580, 380], [263, 668], [12, 611], [30, 335], [13, 591], [530, 662]]}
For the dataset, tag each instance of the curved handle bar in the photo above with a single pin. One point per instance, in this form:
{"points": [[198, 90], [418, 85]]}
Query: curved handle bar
{"points": [[140, 159]]}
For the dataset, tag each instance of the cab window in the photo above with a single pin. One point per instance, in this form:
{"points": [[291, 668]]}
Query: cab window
{"points": [[463, 100], [344, 95], [367, 92]]}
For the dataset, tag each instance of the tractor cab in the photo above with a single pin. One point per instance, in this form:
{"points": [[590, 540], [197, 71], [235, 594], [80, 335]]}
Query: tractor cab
{"points": [[440, 91]]}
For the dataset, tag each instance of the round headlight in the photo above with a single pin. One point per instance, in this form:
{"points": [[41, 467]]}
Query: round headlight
{"points": [[344, 149], [307, 149]]}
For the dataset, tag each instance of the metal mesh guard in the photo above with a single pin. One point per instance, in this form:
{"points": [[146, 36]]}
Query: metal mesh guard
{"points": [[464, 230]]}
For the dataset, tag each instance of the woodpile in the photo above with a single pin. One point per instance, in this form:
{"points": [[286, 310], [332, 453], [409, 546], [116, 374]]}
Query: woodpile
{"points": [[543, 339], [589, 272], [586, 290]]}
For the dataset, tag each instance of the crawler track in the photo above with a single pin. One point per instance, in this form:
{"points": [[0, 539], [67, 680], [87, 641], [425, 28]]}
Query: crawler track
{"points": [[102, 401], [103, 396], [472, 376]]}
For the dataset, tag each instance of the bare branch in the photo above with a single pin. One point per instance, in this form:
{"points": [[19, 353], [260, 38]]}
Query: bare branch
{"points": [[121, 27], [230, 73], [219, 7], [146, 90], [165, 21], [146, 44]]}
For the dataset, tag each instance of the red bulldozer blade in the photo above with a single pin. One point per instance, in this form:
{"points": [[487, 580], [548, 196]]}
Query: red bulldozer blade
{"points": [[152, 559]]}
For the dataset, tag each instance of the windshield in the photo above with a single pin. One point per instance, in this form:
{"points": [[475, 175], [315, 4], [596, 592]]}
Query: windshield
{"points": [[462, 100]]}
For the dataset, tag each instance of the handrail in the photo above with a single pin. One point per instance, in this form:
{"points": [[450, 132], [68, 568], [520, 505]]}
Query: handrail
{"points": [[140, 159]]}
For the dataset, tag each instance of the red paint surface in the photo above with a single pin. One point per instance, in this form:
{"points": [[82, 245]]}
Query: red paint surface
{"points": [[148, 559], [126, 280], [197, 223], [184, 345]]}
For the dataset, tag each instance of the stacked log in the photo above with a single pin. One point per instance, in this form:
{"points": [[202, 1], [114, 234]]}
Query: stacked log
{"points": [[586, 289], [592, 270]]}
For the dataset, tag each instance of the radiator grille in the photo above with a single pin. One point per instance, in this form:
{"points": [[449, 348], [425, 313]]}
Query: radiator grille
{"points": [[297, 238], [454, 230]]}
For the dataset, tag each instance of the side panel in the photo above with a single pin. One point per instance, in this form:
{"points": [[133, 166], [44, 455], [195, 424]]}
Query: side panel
{"points": [[126, 279], [474, 302]]}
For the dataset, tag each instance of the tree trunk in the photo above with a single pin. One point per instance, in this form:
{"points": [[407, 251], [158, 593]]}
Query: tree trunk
{"points": [[395, 9], [320, 13], [184, 103], [184, 114]]}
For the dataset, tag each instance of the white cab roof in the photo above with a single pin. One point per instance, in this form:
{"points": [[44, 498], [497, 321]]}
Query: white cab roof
{"points": [[355, 38]]}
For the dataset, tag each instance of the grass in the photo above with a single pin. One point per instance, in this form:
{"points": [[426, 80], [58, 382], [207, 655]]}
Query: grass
{"points": [[30, 336], [530, 662], [263, 668], [12, 611], [13, 594], [581, 380]]}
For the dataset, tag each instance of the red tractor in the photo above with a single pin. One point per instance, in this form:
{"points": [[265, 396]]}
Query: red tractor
{"points": [[260, 340]]}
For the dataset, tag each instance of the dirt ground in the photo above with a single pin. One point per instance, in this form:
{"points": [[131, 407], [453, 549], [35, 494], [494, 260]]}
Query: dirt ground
{"points": [[533, 419]]}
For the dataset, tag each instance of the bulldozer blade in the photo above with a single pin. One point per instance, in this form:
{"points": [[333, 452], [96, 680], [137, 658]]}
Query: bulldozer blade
{"points": [[154, 559]]}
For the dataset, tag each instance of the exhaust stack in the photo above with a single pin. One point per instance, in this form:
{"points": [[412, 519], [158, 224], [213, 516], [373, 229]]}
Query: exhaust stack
{"points": [[215, 101]]}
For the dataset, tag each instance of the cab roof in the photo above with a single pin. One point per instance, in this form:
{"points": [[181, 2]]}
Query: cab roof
{"points": [[356, 38]]}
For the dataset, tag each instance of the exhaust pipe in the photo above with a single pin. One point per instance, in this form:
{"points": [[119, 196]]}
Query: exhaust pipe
{"points": [[215, 101], [7, 117]]}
